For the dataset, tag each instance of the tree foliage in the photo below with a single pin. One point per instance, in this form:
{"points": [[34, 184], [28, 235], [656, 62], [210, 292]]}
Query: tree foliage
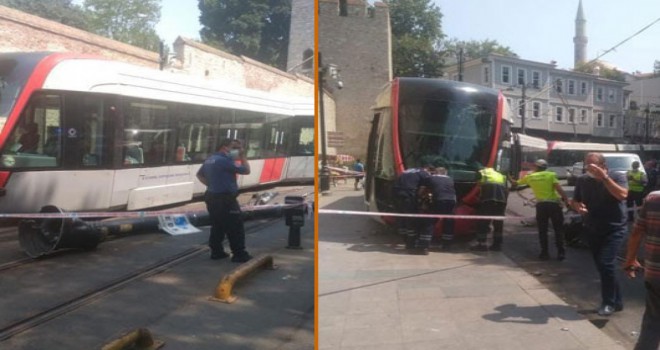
{"points": [[63, 11], [258, 29], [476, 49], [416, 35], [603, 71], [129, 21]]}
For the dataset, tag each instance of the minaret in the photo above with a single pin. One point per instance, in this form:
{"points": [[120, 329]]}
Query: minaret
{"points": [[580, 39]]}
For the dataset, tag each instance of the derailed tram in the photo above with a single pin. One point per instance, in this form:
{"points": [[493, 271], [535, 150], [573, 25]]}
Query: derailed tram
{"points": [[88, 134], [459, 126]]}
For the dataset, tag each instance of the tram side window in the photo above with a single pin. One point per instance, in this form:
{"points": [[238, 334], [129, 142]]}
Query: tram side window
{"points": [[276, 136], [246, 126], [31, 143], [302, 138], [196, 136], [147, 135]]}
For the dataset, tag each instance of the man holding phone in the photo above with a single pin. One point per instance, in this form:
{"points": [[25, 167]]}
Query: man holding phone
{"points": [[218, 173], [600, 198]]}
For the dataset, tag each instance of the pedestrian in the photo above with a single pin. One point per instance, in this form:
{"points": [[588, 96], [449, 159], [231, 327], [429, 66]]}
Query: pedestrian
{"points": [[359, 168], [218, 173], [406, 193], [599, 197], [652, 175], [637, 181], [493, 195], [443, 201], [647, 228], [548, 193]]}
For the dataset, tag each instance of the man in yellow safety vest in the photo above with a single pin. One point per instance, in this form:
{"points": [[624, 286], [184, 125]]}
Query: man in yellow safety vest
{"points": [[636, 182], [492, 202]]}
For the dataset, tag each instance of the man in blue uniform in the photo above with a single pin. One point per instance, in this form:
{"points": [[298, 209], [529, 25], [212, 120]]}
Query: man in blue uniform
{"points": [[406, 188], [443, 195], [218, 173], [358, 167]]}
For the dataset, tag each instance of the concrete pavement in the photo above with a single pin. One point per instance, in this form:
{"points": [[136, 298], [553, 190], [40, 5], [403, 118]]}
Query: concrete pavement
{"points": [[372, 295]]}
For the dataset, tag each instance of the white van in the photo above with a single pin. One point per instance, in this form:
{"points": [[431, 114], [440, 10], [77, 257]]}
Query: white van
{"points": [[622, 162]]}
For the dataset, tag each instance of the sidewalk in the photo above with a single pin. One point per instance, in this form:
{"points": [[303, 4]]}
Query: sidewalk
{"points": [[372, 295]]}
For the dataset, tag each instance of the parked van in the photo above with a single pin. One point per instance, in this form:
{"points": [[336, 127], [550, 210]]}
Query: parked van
{"points": [[622, 162]]}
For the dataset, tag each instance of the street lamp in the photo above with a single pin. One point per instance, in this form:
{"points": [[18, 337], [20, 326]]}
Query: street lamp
{"points": [[333, 72]]}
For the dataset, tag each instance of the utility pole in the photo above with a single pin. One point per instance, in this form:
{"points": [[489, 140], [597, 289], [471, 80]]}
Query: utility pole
{"points": [[524, 108], [324, 175], [648, 112], [460, 64]]}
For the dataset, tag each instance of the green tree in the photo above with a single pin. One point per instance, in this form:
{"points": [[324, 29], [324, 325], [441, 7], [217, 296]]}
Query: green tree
{"points": [[476, 49], [416, 35], [129, 21], [603, 70], [258, 29], [63, 11]]}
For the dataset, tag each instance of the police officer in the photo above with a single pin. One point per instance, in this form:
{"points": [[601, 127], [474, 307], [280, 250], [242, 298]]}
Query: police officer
{"points": [[218, 173], [492, 201], [636, 183], [548, 192], [406, 189]]}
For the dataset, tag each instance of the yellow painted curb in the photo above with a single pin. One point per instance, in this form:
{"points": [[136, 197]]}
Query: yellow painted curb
{"points": [[138, 339], [224, 288]]}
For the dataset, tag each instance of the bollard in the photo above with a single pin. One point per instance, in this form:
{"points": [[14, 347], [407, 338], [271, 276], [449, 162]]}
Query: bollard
{"points": [[138, 339], [224, 288], [295, 219]]}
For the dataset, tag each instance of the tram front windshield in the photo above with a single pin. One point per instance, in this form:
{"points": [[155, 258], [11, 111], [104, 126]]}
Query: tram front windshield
{"points": [[457, 136]]}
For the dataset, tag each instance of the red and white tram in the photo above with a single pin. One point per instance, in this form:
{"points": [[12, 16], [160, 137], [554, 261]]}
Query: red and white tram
{"points": [[84, 133]]}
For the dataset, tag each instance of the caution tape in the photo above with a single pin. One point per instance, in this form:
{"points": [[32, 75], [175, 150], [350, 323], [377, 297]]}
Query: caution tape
{"points": [[137, 214]]}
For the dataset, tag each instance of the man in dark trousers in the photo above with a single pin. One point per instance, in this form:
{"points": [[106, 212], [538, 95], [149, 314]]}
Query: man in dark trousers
{"points": [[647, 228], [406, 190], [443, 201], [599, 196], [548, 193], [493, 196], [218, 173]]}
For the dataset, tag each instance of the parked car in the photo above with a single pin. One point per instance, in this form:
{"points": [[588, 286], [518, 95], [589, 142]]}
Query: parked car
{"points": [[574, 172]]}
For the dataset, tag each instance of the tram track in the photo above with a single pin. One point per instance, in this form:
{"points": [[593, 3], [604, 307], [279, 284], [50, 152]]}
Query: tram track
{"points": [[65, 307], [17, 327]]}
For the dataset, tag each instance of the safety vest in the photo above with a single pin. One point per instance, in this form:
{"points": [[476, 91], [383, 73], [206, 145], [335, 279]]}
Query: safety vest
{"points": [[635, 181], [489, 175]]}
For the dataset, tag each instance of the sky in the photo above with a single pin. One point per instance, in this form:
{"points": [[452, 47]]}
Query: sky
{"points": [[543, 31], [178, 17]]}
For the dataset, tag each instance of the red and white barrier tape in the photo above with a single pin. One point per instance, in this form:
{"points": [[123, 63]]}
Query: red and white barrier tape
{"points": [[137, 214]]}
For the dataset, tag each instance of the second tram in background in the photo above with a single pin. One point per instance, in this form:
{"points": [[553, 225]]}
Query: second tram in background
{"points": [[459, 126], [83, 133]]}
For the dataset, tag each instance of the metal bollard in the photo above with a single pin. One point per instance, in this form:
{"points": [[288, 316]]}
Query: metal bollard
{"points": [[295, 219]]}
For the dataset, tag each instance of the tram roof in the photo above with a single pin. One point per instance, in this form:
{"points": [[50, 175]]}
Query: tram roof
{"points": [[112, 77]]}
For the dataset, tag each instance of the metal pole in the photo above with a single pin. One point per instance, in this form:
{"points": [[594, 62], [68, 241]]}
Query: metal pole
{"points": [[460, 64], [524, 108], [324, 175], [648, 111]]}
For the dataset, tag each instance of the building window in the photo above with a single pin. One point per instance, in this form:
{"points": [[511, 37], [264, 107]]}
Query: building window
{"points": [[486, 74], [599, 120], [559, 86], [610, 95], [612, 122], [599, 94], [583, 116], [536, 110], [571, 115], [506, 75], [521, 108], [536, 79], [521, 76], [343, 8], [571, 87], [559, 114], [583, 88]]}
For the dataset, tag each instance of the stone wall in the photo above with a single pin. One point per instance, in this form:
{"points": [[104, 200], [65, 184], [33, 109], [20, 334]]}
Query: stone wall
{"points": [[359, 45], [25, 32]]}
